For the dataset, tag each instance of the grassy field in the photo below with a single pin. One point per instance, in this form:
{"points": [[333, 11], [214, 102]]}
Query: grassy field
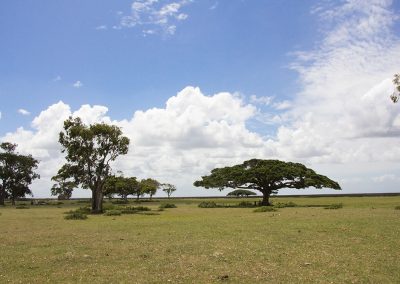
{"points": [[359, 243]]}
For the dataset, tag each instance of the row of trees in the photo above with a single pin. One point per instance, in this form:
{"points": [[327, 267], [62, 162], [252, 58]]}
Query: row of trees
{"points": [[90, 150]]}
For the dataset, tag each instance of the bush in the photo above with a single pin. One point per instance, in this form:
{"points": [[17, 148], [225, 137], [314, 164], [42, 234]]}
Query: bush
{"points": [[208, 204], [120, 202], [113, 213], [284, 205], [75, 216], [21, 207], [246, 204], [334, 206], [167, 205], [397, 207], [141, 208], [265, 209]]}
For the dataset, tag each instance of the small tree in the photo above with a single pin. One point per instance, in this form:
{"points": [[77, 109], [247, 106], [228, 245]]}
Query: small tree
{"points": [[266, 176], [121, 186], [90, 149], [168, 188], [241, 193], [16, 173], [396, 94], [149, 186], [63, 187]]}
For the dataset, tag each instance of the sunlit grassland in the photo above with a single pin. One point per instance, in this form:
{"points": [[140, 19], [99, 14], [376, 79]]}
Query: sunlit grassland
{"points": [[359, 243]]}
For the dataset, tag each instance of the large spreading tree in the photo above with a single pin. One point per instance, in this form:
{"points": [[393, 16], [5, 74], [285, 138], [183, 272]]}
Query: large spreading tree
{"points": [[89, 151], [16, 172], [266, 176]]}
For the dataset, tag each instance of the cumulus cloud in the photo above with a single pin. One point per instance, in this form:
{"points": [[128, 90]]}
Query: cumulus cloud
{"points": [[154, 16], [386, 178], [23, 111], [188, 137], [101, 27], [78, 84], [343, 112]]}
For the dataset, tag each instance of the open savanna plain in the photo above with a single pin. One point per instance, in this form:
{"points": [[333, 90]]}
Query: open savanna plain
{"points": [[359, 243]]}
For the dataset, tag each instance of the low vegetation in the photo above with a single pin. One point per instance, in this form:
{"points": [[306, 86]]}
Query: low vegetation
{"points": [[300, 243]]}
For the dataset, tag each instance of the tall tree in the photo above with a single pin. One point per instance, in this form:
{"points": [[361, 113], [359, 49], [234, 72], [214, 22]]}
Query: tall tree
{"points": [[396, 94], [89, 151], [266, 176], [149, 186], [168, 188], [16, 172]]}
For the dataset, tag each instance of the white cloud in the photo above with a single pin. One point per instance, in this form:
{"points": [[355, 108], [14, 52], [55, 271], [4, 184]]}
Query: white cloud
{"points": [[57, 78], [0, 114], [344, 113], [178, 143], [78, 84], [154, 16], [214, 6], [101, 27], [23, 111], [386, 178]]}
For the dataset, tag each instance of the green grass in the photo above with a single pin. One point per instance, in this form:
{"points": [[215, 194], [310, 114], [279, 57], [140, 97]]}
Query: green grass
{"points": [[357, 244]]}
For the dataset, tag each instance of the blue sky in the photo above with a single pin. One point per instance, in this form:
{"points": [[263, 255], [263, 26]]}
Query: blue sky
{"points": [[307, 80]]}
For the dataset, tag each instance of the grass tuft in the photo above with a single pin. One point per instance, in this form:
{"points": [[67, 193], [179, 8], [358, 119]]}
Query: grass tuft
{"points": [[334, 206], [167, 205], [113, 213]]}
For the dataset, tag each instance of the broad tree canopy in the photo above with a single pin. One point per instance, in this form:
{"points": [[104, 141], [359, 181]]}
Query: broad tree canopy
{"points": [[90, 149], [16, 172], [241, 192], [266, 176]]}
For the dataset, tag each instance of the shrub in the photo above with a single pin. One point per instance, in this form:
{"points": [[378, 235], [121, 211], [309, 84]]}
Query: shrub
{"points": [[149, 213], [397, 207], [246, 204], [167, 205], [208, 204], [120, 202], [265, 209], [75, 216], [334, 206], [113, 213], [141, 208], [21, 207], [284, 205]]}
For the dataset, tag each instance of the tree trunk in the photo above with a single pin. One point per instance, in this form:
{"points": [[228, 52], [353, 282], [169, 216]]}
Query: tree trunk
{"points": [[97, 200], [12, 201], [169, 194], [137, 197], [265, 200], [151, 196], [2, 196]]}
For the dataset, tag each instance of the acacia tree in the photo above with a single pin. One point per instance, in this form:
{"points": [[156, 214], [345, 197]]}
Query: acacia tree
{"points": [[149, 186], [266, 176], [168, 188], [241, 193], [396, 94], [16, 172], [89, 151]]}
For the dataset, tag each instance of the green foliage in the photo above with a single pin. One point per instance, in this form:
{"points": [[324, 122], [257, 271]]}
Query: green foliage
{"points": [[89, 152], [241, 193], [396, 93], [75, 216], [21, 206], [246, 204], [285, 204], [266, 176], [168, 188], [141, 208], [16, 172], [167, 205], [334, 206], [397, 207], [265, 209], [113, 213], [120, 202], [149, 186], [208, 204], [63, 187]]}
